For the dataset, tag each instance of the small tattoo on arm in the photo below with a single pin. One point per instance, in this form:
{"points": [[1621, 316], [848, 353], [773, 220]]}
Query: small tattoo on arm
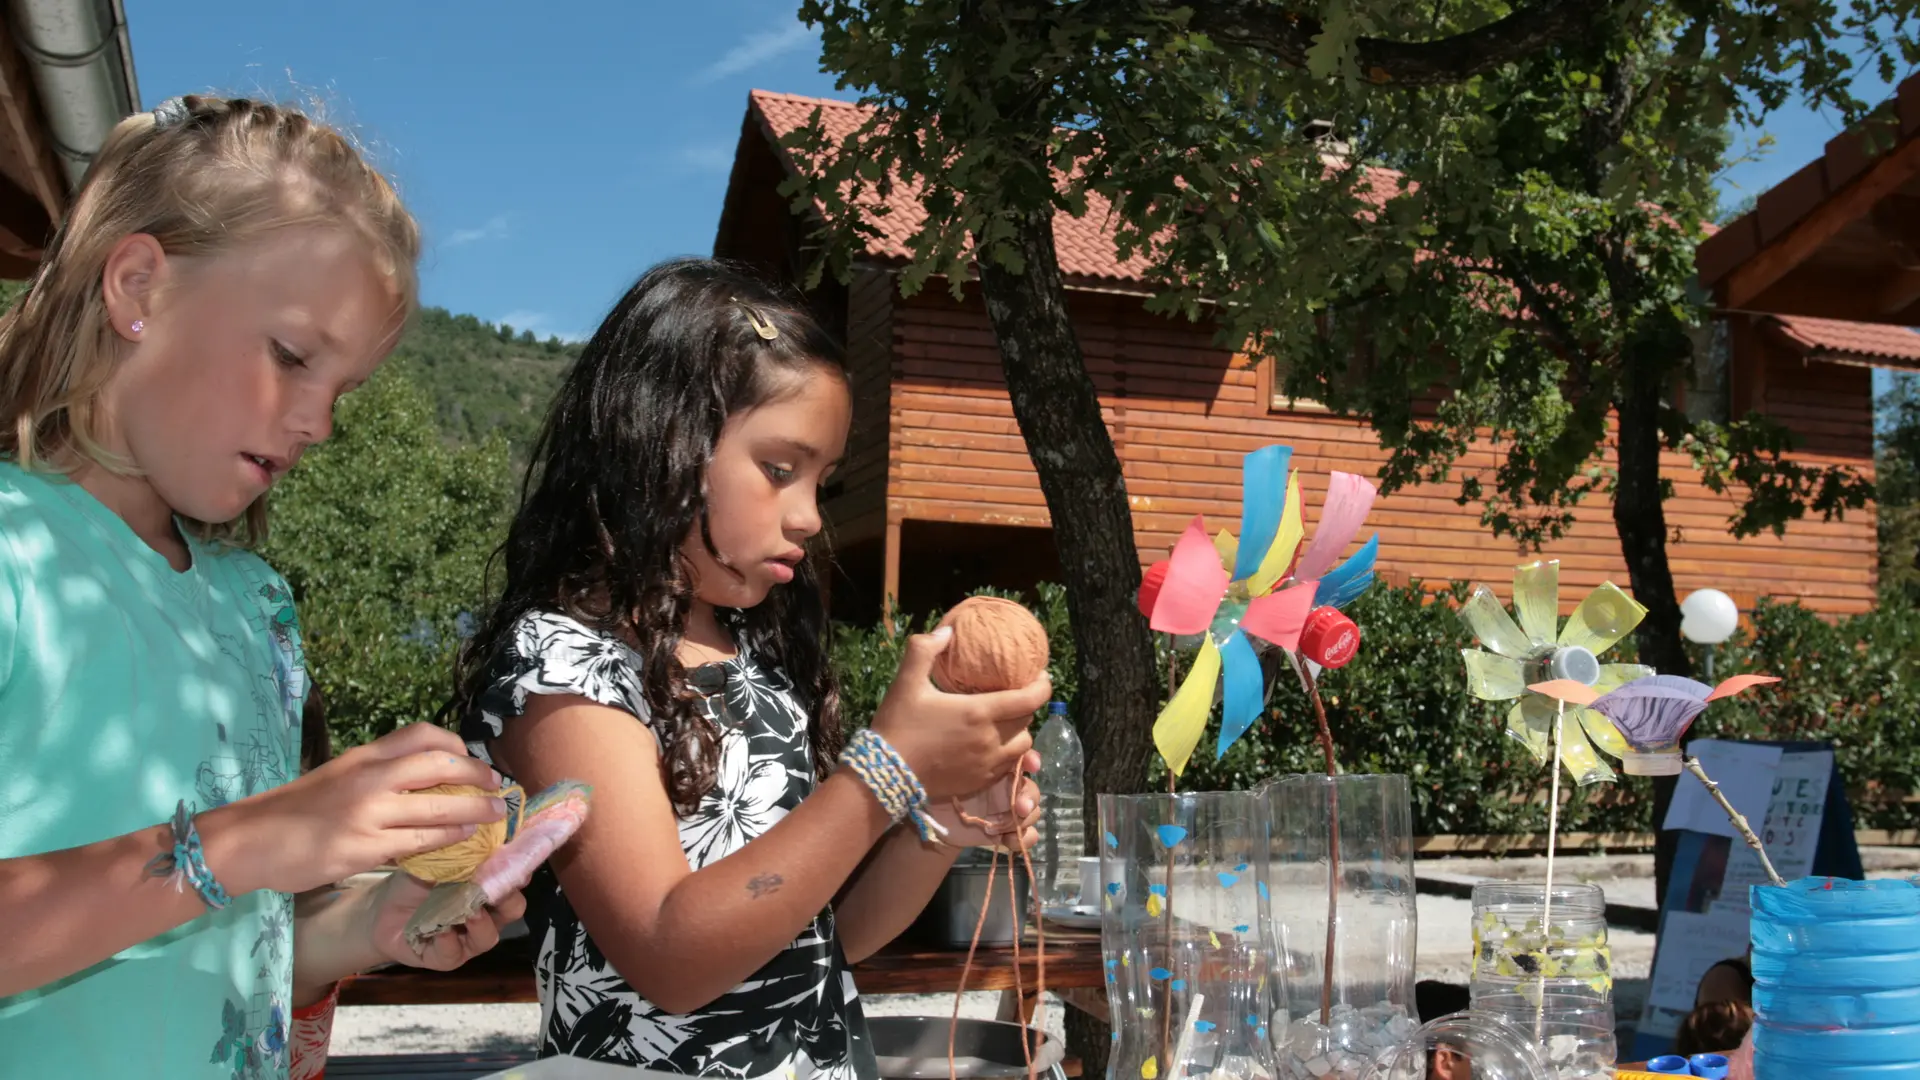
{"points": [[765, 885]]}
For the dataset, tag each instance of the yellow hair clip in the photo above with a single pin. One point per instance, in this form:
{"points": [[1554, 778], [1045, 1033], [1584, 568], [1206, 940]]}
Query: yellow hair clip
{"points": [[760, 325]]}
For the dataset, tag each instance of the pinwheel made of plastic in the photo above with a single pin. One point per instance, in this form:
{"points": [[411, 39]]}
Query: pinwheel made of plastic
{"points": [[1540, 649], [1653, 715], [1229, 592]]}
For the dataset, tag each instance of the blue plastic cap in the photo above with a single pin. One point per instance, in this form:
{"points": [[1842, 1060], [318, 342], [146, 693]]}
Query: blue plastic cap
{"points": [[1056, 708], [1671, 1064], [1711, 1066]]}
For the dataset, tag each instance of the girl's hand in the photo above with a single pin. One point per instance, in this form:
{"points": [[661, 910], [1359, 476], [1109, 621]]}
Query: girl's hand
{"points": [[351, 815], [990, 805], [401, 895], [956, 744], [343, 932]]}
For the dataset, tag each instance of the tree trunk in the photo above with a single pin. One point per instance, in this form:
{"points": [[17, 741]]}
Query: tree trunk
{"points": [[1067, 438], [1639, 517], [1059, 415]]}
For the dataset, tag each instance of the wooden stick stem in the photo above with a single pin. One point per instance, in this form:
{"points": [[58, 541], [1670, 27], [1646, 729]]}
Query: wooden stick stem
{"points": [[1553, 833], [1739, 820]]}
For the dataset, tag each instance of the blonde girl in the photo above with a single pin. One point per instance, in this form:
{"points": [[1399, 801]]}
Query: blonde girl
{"points": [[228, 270]]}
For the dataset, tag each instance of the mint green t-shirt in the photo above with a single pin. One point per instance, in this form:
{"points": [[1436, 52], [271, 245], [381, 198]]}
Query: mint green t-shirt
{"points": [[126, 686]]}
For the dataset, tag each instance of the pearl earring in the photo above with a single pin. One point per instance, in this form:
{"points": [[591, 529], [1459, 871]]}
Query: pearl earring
{"points": [[138, 325]]}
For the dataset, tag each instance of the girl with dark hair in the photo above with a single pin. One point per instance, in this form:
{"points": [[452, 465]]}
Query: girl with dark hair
{"points": [[661, 635]]}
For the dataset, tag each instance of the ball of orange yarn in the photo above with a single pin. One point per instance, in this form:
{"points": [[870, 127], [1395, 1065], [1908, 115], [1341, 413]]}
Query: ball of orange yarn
{"points": [[997, 645], [458, 860]]}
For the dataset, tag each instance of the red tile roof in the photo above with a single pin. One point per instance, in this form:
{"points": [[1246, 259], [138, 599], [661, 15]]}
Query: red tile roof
{"points": [[1872, 344], [1086, 247], [1085, 243]]}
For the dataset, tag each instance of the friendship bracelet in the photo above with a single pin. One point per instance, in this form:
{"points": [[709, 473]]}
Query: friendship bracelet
{"points": [[186, 864], [888, 776]]}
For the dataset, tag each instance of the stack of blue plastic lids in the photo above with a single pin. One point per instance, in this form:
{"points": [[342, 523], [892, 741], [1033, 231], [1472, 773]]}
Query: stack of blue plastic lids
{"points": [[1836, 979]]}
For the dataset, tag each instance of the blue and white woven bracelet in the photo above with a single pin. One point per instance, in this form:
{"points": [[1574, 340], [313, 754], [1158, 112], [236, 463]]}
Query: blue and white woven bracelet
{"points": [[892, 782], [186, 864]]}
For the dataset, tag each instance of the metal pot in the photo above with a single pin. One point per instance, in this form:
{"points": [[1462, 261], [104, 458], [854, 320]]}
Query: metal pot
{"points": [[915, 1048], [950, 917]]}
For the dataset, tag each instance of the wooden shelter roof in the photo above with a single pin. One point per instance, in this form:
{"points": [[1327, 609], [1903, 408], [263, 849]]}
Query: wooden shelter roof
{"points": [[1837, 240]]}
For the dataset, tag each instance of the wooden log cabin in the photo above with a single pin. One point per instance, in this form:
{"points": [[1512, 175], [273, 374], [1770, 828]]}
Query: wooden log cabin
{"points": [[937, 495]]}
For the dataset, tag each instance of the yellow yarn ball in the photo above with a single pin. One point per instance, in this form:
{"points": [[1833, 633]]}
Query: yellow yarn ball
{"points": [[459, 860]]}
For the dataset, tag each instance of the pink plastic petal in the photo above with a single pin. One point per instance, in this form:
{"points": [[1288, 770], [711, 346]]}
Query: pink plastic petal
{"points": [[1567, 690], [1194, 584], [1278, 617], [513, 864], [1738, 683], [1349, 498]]}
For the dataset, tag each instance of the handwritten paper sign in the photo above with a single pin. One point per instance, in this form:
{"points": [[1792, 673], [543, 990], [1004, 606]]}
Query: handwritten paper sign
{"points": [[1745, 774], [1792, 829]]}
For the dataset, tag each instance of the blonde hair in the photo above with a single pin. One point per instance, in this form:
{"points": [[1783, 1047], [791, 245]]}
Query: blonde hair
{"points": [[201, 175]]}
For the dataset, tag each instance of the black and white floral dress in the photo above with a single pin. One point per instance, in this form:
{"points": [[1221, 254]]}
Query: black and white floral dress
{"points": [[797, 1017]]}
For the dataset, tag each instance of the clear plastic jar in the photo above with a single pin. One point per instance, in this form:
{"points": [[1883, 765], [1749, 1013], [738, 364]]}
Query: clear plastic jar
{"points": [[1513, 952], [1342, 999], [1573, 1033]]}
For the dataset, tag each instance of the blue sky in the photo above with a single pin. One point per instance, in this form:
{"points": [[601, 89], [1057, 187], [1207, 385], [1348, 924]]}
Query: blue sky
{"points": [[552, 151]]}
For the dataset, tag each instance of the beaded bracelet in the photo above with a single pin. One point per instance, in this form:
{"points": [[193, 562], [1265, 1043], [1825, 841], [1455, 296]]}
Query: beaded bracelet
{"points": [[186, 864], [887, 775]]}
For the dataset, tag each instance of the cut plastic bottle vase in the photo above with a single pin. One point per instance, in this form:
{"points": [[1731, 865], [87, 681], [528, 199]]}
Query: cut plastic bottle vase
{"points": [[1180, 936], [1338, 1027], [1836, 979]]}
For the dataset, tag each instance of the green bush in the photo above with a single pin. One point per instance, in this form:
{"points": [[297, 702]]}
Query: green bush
{"points": [[1401, 707]]}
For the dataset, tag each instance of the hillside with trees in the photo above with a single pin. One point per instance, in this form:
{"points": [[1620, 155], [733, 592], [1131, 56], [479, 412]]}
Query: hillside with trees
{"points": [[483, 379]]}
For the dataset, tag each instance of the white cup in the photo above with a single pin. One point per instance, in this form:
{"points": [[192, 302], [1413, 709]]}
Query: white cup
{"points": [[1090, 882]]}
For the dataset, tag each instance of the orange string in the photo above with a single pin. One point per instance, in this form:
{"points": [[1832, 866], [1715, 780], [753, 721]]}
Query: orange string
{"points": [[1009, 826]]}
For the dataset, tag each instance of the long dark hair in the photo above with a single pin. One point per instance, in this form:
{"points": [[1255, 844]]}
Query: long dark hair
{"points": [[616, 483]]}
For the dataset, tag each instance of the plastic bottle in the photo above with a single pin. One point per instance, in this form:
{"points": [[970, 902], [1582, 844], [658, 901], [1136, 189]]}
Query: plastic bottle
{"points": [[1062, 801]]}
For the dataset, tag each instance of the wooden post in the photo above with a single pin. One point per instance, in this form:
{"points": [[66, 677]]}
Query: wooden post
{"points": [[890, 578]]}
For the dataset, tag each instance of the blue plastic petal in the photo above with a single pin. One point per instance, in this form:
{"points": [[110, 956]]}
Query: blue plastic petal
{"points": [[1171, 835], [1245, 693], [1263, 495], [1344, 583]]}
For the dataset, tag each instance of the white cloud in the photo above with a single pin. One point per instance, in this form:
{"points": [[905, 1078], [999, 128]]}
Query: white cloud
{"points": [[540, 323], [494, 229], [757, 49], [708, 157]]}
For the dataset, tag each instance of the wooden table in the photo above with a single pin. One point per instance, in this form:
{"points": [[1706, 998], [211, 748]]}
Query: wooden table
{"points": [[1073, 966]]}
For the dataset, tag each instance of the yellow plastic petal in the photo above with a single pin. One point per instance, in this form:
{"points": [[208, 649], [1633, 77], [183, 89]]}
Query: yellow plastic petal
{"points": [[1576, 753], [1154, 907], [1279, 557], [1181, 723], [1492, 626], [1150, 1068], [1615, 676], [1606, 738], [1528, 729], [1227, 546], [1536, 600], [1493, 678], [1602, 619]]}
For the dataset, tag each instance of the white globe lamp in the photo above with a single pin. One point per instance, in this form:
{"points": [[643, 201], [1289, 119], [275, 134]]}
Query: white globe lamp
{"points": [[1708, 617]]}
